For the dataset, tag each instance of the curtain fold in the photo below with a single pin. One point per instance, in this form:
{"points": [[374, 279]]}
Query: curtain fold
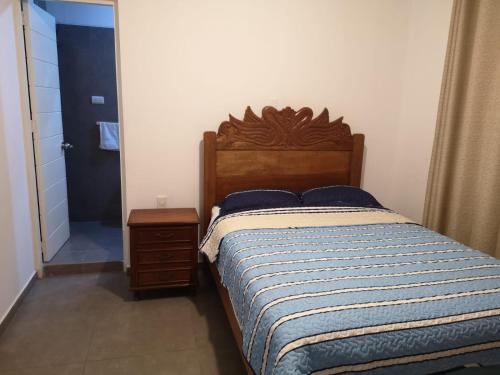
{"points": [[463, 192]]}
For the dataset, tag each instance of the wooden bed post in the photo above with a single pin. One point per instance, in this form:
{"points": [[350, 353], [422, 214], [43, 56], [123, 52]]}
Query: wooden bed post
{"points": [[357, 159], [209, 155]]}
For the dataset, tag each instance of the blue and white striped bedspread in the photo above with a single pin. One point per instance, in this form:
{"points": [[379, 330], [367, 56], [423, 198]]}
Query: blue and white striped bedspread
{"points": [[369, 297]]}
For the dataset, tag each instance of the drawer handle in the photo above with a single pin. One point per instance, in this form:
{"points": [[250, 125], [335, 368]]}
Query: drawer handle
{"points": [[165, 236]]}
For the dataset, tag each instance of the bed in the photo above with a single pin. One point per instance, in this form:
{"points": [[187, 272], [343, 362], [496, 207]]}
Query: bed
{"points": [[328, 289]]}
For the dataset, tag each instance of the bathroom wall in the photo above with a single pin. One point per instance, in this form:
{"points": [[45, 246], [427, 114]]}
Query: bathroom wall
{"points": [[71, 13], [86, 68]]}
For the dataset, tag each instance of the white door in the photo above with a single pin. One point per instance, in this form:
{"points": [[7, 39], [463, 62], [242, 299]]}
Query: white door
{"points": [[45, 99]]}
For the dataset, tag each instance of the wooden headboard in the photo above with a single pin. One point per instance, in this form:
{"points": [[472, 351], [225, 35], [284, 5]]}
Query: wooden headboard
{"points": [[284, 149]]}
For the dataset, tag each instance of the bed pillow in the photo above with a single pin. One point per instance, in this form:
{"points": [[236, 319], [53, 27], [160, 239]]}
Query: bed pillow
{"points": [[258, 199], [339, 195]]}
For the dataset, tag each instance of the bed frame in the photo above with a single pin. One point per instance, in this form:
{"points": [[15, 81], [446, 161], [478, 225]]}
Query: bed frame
{"points": [[283, 149]]}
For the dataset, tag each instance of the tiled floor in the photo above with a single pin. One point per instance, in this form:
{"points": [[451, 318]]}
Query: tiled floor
{"points": [[90, 324], [89, 242]]}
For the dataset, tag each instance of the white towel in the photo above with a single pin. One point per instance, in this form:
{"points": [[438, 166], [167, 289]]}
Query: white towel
{"points": [[110, 136]]}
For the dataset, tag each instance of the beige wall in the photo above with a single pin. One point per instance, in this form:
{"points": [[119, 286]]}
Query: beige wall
{"points": [[421, 85], [186, 64], [16, 234]]}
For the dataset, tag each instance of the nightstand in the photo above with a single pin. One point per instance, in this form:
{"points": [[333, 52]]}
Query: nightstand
{"points": [[163, 248]]}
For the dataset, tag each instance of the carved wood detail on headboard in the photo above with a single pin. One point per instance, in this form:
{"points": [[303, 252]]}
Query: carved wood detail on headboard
{"points": [[284, 129], [284, 149]]}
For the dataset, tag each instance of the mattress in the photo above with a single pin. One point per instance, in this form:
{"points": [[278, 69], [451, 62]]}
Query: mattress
{"points": [[329, 290]]}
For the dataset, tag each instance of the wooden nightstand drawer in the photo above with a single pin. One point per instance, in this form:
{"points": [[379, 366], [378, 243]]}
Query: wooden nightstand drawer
{"points": [[175, 276], [171, 234], [163, 248], [164, 256]]}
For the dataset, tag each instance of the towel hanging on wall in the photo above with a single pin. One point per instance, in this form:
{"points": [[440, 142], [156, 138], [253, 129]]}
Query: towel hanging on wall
{"points": [[110, 135]]}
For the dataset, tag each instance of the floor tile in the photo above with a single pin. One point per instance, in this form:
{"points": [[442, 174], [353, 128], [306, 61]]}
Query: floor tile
{"points": [[73, 369], [45, 342], [93, 319], [210, 323], [216, 361], [138, 331], [169, 363], [68, 256], [91, 241]]}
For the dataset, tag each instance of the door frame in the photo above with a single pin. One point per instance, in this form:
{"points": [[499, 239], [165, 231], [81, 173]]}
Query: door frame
{"points": [[27, 130]]}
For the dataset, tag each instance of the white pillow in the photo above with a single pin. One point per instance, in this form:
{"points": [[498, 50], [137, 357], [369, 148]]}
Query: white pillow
{"points": [[215, 213]]}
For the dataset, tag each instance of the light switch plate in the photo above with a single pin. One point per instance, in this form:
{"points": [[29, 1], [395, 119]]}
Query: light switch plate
{"points": [[97, 99]]}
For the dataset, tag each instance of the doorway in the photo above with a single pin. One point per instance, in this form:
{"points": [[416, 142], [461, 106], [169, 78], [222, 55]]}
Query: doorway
{"points": [[70, 50]]}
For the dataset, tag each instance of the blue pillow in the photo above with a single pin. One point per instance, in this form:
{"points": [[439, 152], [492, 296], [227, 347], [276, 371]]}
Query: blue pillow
{"points": [[258, 199], [340, 195]]}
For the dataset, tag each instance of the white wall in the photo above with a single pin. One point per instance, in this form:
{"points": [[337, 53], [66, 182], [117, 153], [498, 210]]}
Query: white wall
{"points": [[421, 86], [16, 235], [81, 14], [186, 64]]}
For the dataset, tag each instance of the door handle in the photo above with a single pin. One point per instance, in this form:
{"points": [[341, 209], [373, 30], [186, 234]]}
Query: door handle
{"points": [[66, 146]]}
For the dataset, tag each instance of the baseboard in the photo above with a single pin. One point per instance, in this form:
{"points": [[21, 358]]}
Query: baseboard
{"points": [[4, 322], [71, 269]]}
